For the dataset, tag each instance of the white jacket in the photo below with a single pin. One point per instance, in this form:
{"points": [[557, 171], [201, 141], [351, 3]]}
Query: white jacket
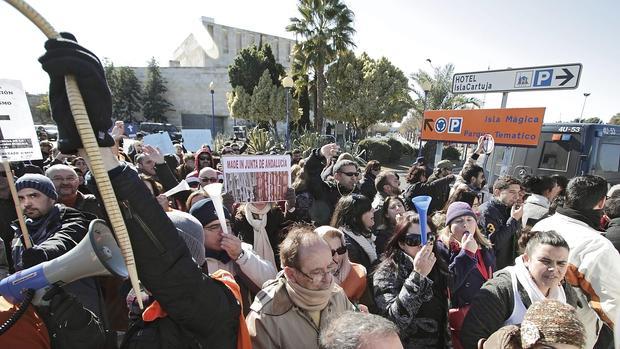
{"points": [[535, 207], [594, 271], [255, 268]]}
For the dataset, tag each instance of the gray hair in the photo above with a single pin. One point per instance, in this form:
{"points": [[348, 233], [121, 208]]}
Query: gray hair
{"points": [[49, 173], [351, 329]]}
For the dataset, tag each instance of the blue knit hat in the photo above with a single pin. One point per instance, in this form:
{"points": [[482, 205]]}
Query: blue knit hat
{"points": [[38, 182], [204, 211], [459, 209]]}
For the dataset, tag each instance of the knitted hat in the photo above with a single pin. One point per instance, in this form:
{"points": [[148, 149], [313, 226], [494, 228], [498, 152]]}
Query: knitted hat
{"points": [[551, 322], [190, 229], [458, 209], [445, 164], [38, 182], [204, 211]]}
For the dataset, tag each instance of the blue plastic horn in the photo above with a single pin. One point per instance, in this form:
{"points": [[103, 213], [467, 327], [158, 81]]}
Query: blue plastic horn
{"points": [[421, 204]]}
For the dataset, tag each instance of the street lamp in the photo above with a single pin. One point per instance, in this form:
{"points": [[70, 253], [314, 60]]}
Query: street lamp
{"points": [[212, 89], [585, 97], [426, 86], [287, 82]]}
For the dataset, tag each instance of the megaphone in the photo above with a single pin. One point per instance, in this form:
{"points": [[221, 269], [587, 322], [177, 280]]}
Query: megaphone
{"points": [[421, 204], [97, 254], [214, 190]]}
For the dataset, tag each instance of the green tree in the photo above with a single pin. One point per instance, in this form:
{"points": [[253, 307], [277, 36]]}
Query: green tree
{"points": [[439, 97], [44, 110], [364, 91], [126, 91], [326, 29], [155, 105], [615, 120], [249, 65], [268, 103], [592, 120]]}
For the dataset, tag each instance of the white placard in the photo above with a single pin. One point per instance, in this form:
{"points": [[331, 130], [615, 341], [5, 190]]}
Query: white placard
{"points": [[193, 139], [257, 178], [18, 138], [160, 140]]}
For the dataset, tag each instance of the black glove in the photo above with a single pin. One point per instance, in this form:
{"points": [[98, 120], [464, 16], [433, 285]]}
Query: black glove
{"points": [[63, 57], [33, 256]]}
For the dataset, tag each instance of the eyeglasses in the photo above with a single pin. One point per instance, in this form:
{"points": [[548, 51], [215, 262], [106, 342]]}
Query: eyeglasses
{"points": [[319, 275], [415, 240], [204, 158], [208, 180], [351, 174], [340, 250]]}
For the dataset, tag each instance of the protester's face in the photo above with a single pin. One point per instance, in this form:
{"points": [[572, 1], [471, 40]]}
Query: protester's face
{"points": [[315, 266], [147, 166], [347, 177], [138, 147], [179, 151], [296, 158], [213, 234], [547, 265], [395, 208], [555, 192], [209, 177], [66, 182], [5, 192], [190, 164], [46, 150], [335, 244], [414, 229], [394, 184], [463, 224], [34, 203], [204, 160], [368, 219], [391, 341], [510, 195], [479, 181], [81, 164], [235, 149]]}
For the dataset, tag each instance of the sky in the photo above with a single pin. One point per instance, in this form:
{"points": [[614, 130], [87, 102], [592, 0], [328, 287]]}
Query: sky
{"points": [[473, 35]]}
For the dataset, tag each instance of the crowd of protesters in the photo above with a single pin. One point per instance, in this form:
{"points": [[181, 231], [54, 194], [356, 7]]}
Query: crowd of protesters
{"points": [[341, 263]]}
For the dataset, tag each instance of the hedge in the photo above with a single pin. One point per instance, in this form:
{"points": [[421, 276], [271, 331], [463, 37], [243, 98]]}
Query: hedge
{"points": [[376, 150], [396, 149]]}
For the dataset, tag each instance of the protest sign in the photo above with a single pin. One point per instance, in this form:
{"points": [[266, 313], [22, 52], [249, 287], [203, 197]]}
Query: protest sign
{"points": [[257, 178], [194, 139], [160, 140], [18, 138]]}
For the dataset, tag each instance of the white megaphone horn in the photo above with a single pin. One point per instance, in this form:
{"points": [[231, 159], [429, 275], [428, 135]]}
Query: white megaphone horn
{"points": [[97, 254], [214, 191]]}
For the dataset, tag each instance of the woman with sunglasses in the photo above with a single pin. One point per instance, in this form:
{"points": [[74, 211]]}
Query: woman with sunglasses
{"points": [[470, 260], [392, 207], [350, 276], [410, 287]]}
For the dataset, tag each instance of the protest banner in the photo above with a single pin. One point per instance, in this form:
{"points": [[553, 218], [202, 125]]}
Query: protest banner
{"points": [[194, 139], [18, 138], [257, 178], [161, 141]]}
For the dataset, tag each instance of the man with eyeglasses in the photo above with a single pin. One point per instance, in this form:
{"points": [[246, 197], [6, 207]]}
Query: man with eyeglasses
{"points": [[327, 193], [208, 176], [291, 310], [66, 182]]}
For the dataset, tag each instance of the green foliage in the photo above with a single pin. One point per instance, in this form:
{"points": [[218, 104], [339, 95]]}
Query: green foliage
{"points": [[259, 141], [306, 141], [376, 150], [44, 109], [451, 153], [154, 101], [249, 65], [396, 149], [615, 120], [219, 141], [408, 149], [592, 120], [325, 28], [126, 91]]}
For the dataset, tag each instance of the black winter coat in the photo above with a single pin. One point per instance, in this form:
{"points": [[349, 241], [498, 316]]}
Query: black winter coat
{"points": [[202, 312], [367, 186], [501, 229], [437, 190]]}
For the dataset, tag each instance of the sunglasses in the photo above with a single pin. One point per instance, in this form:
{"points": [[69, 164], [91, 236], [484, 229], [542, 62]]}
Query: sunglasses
{"points": [[350, 174], [209, 180], [340, 250], [415, 240], [204, 158]]}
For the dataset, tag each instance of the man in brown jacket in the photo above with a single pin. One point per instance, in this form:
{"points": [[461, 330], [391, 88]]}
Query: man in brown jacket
{"points": [[290, 311]]}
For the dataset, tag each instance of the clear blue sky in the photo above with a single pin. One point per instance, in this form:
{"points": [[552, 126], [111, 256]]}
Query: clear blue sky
{"points": [[473, 35]]}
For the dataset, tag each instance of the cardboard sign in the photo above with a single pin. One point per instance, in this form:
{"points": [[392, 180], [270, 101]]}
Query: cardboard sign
{"points": [[160, 140], [194, 139], [257, 178], [511, 126], [18, 138]]}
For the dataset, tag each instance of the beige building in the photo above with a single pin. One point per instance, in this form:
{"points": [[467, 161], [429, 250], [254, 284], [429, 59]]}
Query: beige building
{"points": [[203, 57]]}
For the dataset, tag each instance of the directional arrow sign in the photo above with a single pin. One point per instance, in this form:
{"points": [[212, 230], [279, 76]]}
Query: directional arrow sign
{"points": [[552, 77]]}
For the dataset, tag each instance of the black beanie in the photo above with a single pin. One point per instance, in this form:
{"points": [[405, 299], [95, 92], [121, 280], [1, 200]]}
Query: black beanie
{"points": [[204, 211], [38, 182]]}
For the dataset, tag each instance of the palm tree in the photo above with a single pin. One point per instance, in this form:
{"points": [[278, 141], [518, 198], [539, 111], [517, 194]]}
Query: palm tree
{"points": [[440, 97], [326, 28]]}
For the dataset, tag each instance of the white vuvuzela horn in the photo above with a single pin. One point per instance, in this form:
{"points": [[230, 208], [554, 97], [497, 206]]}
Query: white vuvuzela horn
{"points": [[215, 193]]}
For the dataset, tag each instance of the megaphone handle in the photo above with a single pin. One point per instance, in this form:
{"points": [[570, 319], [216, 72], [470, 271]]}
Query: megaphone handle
{"points": [[18, 208]]}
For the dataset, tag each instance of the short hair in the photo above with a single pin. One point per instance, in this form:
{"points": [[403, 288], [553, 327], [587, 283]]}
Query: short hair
{"points": [[49, 173], [188, 157], [157, 187], [349, 210], [296, 151], [504, 182], [299, 235], [538, 184], [140, 157], [529, 240], [584, 192], [351, 330], [382, 179], [470, 172], [45, 143], [560, 180], [372, 165], [415, 174], [342, 163]]}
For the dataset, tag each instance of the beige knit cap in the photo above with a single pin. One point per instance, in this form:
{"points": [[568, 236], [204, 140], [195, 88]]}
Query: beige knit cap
{"points": [[551, 322]]}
